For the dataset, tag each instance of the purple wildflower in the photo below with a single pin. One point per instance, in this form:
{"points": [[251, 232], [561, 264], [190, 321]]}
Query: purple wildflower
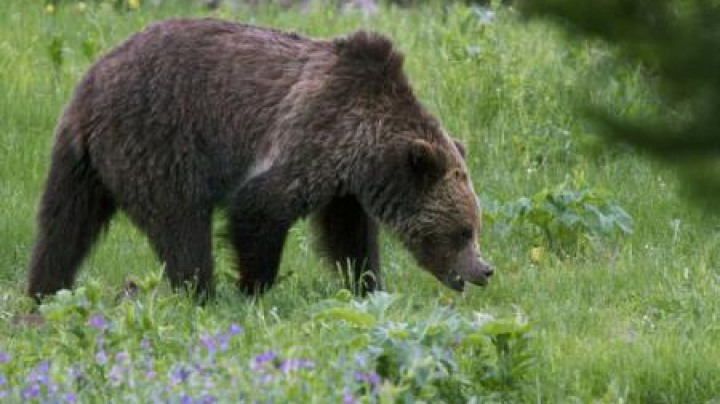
{"points": [[145, 343], [31, 392], [101, 358], [264, 378], [3, 380], [69, 397], [4, 357], [209, 343], [43, 367], [180, 375], [263, 358], [116, 374], [222, 341], [235, 329], [349, 399], [209, 399], [371, 378], [39, 374], [121, 357], [76, 372], [97, 321]]}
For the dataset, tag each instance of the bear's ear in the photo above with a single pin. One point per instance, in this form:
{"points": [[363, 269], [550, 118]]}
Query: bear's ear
{"points": [[370, 54], [427, 161], [460, 148]]}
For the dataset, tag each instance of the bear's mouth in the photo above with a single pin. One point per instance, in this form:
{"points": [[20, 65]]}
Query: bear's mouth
{"points": [[456, 282]]}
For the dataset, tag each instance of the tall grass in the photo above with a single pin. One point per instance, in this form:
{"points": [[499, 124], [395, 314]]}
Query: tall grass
{"points": [[616, 318]]}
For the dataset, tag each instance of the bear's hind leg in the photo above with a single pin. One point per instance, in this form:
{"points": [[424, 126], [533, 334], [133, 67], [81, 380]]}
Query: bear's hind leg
{"points": [[184, 245], [74, 209], [348, 237]]}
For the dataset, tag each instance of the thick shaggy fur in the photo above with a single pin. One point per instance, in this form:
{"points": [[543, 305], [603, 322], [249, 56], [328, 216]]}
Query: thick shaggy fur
{"points": [[189, 115]]}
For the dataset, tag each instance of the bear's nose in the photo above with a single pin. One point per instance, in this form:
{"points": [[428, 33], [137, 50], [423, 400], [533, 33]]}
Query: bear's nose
{"points": [[486, 268]]}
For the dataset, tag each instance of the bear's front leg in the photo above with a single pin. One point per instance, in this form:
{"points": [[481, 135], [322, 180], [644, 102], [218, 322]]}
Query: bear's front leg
{"points": [[261, 213]]}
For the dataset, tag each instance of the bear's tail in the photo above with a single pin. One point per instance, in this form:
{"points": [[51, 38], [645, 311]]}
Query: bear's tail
{"points": [[74, 209]]}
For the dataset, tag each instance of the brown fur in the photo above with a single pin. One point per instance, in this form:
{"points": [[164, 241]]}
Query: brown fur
{"points": [[189, 115]]}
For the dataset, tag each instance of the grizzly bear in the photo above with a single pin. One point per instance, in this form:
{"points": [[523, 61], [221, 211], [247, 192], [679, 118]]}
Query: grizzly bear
{"points": [[191, 115]]}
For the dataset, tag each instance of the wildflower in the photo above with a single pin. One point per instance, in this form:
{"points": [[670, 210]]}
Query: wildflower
{"points": [[536, 255], [69, 397], [97, 321], [76, 373], [116, 374], [264, 378], [209, 343], [43, 367], [81, 7], [209, 399], [348, 399], [121, 356], [370, 378], [133, 4], [101, 358], [222, 341], [49, 9], [180, 375], [4, 357], [149, 368], [263, 358], [235, 329], [39, 374], [31, 392]]}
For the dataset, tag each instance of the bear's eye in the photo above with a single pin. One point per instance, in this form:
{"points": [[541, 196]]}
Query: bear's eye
{"points": [[464, 236]]}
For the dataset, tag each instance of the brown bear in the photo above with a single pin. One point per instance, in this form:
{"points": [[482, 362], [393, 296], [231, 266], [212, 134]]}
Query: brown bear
{"points": [[190, 115]]}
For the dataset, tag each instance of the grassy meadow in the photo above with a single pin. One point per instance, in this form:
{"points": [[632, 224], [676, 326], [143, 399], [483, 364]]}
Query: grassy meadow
{"points": [[607, 284]]}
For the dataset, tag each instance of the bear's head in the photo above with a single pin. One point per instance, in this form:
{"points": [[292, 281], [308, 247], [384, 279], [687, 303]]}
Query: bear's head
{"points": [[442, 222], [418, 183], [421, 189]]}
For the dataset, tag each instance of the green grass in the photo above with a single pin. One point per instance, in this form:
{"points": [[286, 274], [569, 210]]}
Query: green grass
{"points": [[615, 319]]}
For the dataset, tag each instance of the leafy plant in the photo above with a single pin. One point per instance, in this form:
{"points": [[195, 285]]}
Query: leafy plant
{"points": [[563, 217], [422, 359]]}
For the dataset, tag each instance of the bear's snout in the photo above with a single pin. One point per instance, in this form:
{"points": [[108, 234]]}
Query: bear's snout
{"points": [[486, 268], [476, 272]]}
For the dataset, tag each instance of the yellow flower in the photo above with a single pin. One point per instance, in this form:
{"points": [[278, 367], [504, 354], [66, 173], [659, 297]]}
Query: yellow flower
{"points": [[133, 4], [49, 9], [536, 254]]}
